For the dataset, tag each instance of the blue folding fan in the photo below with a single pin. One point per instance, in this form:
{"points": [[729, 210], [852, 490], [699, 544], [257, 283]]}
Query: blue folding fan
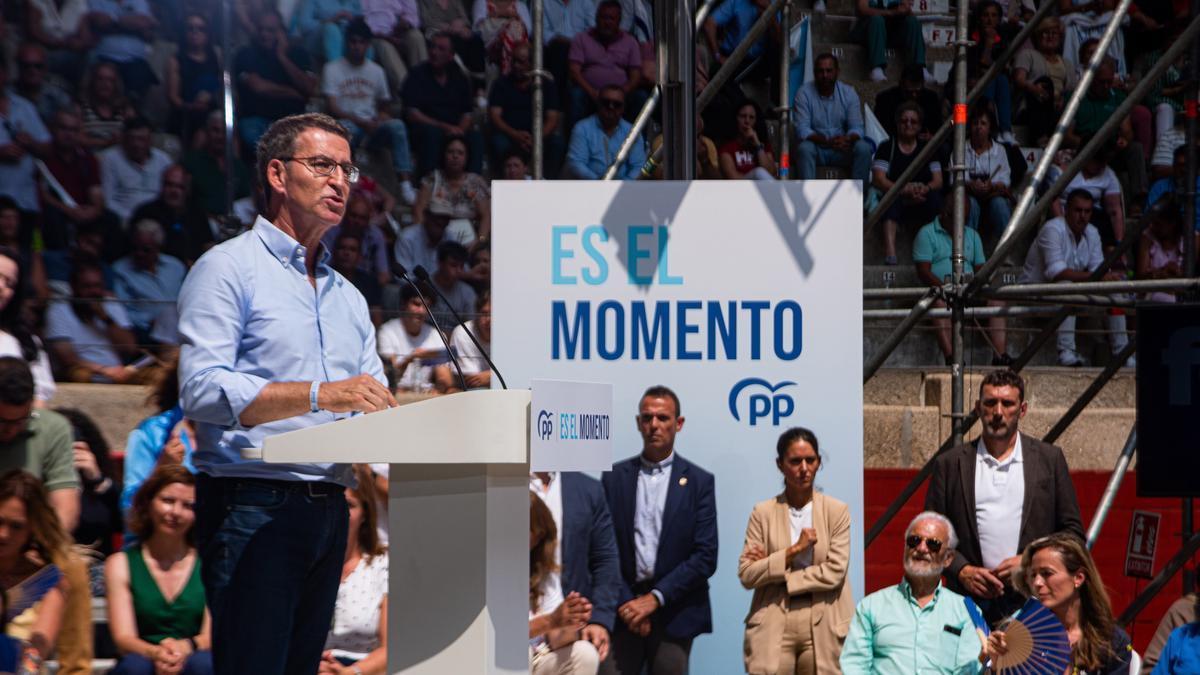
{"points": [[1037, 643], [27, 593]]}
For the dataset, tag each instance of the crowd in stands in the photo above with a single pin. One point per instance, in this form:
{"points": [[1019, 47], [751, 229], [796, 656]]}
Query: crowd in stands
{"points": [[115, 178]]}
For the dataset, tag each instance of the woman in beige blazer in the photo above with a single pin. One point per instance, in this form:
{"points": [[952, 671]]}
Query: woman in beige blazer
{"points": [[795, 558]]}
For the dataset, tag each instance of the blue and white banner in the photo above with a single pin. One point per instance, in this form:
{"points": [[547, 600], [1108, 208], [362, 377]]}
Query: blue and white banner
{"points": [[745, 297]]}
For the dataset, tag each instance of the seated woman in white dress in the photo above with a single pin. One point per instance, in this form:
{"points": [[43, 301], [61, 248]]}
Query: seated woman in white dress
{"points": [[357, 641], [555, 647]]}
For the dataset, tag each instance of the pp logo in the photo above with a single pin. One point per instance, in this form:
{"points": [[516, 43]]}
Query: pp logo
{"points": [[545, 425], [767, 402]]}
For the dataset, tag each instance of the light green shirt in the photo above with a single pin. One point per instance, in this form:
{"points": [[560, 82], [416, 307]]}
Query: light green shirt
{"points": [[934, 245], [892, 635], [44, 450]]}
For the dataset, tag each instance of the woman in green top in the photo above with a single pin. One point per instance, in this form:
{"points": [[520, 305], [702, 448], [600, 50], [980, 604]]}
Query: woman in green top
{"points": [[156, 609]]}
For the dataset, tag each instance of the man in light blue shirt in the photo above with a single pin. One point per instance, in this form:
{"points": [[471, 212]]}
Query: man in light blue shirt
{"points": [[22, 136], [735, 17], [148, 281], [125, 28], [829, 124], [916, 626], [596, 140], [664, 516], [274, 340]]}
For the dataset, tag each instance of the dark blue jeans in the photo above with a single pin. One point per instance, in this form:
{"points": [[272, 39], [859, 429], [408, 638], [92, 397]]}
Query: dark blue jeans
{"points": [[272, 553], [199, 663]]}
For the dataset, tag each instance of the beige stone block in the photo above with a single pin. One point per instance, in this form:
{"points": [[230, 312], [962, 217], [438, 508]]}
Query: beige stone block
{"points": [[116, 408], [898, 436], [1060, 387], [1093, 441], [896, 386]]}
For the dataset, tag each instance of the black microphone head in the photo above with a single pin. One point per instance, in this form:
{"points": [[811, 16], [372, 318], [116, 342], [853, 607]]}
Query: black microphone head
{"points": [[399, 270], [421, 273]]}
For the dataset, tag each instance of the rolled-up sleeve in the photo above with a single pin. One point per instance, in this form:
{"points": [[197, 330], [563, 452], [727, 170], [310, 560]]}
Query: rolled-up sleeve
{"points": [[803, 112], [211, 307], [1054, 254]]}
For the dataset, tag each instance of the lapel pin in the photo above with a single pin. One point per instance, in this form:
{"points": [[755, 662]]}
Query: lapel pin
{"points": [[682, 481]]}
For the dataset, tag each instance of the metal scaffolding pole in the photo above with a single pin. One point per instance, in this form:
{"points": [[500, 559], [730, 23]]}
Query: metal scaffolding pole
{"points": [[1189, 187], [1188, 577], [1190, 546], [1110, 491], [1084, 287], [539, 74], [785, 105], [1117, 362], [676, 75], [968, 312], [727, 69], [1018, 364], [927, 152], [958, 172], [647, 112], [227, 92], [1025, 218]]}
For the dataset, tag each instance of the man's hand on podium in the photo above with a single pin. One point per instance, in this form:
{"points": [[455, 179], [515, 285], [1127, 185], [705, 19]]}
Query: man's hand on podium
{"points": [[361, 393]]}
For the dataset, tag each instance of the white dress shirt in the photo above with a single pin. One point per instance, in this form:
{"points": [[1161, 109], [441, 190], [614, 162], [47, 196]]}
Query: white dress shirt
{"points": [[800, 518], [653, 480], [1056, 249], [999, 496]]}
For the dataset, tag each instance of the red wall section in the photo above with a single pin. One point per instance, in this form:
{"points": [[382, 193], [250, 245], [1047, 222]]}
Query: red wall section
{"points": [[884, 568]]}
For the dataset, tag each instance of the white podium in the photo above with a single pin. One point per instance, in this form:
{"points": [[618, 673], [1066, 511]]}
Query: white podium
{"points": [[458, 514]]}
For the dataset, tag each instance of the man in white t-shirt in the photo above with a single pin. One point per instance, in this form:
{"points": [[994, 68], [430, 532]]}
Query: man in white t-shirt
{"points": [[1068, 250], [131, 173], [411, 345], [474, 367], [356, 91], [1108, 210]]}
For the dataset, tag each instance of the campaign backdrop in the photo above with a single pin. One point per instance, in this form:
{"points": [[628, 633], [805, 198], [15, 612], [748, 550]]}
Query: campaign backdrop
{"points": [[744, 297]]}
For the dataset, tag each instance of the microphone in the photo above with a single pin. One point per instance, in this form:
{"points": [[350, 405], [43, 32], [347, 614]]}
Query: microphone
{"points": [[400, 272], [423, 275]]}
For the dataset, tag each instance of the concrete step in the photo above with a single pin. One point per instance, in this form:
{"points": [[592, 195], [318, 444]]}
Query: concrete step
{"points": [[905, 437], [852, 58]]}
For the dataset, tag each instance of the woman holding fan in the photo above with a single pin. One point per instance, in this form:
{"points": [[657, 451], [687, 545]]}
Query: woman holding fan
{"points": [[1060, 573]]}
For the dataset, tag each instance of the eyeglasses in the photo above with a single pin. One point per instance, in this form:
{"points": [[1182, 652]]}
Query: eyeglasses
{"points": [[612, 104], [323, 166], [914, 540]]}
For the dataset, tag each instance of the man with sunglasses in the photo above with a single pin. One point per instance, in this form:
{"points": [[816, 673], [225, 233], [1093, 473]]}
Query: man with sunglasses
{"points": [[597, 139], [274, 340], [918, 625], [1000, 493]]}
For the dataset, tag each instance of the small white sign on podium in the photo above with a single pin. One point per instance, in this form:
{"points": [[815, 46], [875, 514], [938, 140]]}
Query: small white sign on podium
{"points": [[570, 426]]}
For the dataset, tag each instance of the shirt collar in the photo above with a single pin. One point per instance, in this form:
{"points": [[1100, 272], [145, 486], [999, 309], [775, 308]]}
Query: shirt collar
{"points": [[1017, 456], [283, 248], [655, 467], [906, 591]]}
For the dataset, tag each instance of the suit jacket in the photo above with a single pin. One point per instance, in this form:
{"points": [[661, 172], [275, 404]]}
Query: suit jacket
{"points": [[687, 545], [773, 583], [589, 551], [1049, 505]]}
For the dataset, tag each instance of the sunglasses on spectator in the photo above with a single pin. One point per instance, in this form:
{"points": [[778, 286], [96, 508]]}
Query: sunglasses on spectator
{"points": [[914, 540], [612, 103]]}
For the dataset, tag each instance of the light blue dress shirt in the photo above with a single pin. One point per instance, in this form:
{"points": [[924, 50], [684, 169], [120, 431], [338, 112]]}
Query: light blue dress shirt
{"points": [[591, 151], [654, 479], [17, 178], [838, 115], [892, 635], [146, 294], [249, 317], [566, 19], [736, 17], [120, 46]]}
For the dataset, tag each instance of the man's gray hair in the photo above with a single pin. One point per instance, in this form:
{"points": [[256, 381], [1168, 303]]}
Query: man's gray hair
{"points": [[934, 515], [149, 227]]}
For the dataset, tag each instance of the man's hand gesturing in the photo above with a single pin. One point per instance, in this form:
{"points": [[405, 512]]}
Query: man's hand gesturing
{"points": [[361, 393]]}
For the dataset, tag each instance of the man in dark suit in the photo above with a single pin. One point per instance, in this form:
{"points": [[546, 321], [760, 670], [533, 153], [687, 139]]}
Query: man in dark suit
{"points": [[587, 550], [665, 518], [1000, 493]]}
